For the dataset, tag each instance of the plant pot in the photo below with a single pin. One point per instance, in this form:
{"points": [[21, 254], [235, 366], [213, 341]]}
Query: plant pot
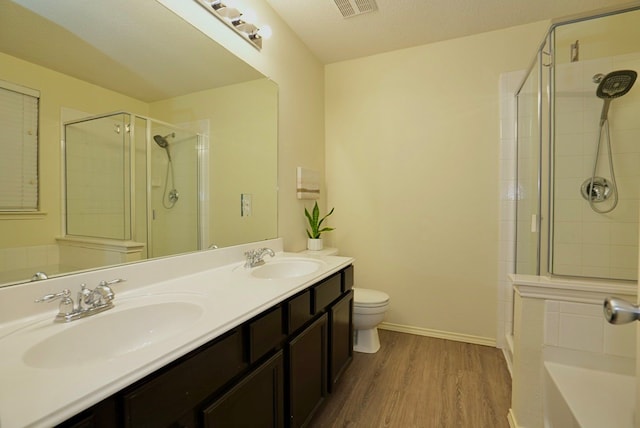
{"points": [[314, 244]]}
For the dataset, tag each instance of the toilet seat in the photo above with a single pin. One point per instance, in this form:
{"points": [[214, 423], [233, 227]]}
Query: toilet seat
{"points": [[365, 298]]}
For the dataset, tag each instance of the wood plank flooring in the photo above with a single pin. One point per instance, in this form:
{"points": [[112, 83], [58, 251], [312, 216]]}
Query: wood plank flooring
{"points": [[421, 382]]}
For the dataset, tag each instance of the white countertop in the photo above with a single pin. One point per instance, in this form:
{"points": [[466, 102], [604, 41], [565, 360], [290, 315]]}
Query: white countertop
{"points": [[228, 295]]}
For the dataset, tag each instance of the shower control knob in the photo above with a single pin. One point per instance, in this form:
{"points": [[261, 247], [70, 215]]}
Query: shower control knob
{"points": [[619, 311]]}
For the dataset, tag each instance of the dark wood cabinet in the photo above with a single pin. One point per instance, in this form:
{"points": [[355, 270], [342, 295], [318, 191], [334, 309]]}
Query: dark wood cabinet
{"points": [[272, 371], [102, 415], [341, 337], [164, 398], [307, 371], [257, 401]]}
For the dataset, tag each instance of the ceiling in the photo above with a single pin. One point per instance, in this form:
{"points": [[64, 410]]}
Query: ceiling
{"points": [[148, 52], [400, 24]]}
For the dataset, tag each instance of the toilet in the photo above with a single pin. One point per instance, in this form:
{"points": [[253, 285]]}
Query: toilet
{"points": [[369, 307]]}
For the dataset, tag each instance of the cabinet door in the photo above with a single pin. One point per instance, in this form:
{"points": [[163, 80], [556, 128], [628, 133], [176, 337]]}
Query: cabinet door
{"points": [[340, 337], [101, 415], [307, 371], [257, 401], [165, 398]]}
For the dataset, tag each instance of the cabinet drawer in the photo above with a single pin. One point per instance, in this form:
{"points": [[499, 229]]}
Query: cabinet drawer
{"points": [[265, 333], [298, 311], [347, 278], [165, 398], [326, 292]]}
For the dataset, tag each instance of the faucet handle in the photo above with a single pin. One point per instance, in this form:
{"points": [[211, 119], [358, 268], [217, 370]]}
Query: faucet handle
{"points": [[66, 305], [104, 288], [64, 294], [111, 282]]}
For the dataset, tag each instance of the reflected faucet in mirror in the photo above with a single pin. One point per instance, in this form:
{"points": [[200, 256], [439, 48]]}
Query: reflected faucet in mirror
{"points": [[39, 276]]}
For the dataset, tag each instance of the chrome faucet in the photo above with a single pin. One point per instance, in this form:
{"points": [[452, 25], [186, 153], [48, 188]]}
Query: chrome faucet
{"points": [[89, 301], [256, 257]]}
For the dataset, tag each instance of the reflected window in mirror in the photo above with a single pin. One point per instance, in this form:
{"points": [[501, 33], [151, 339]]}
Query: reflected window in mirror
{"points": [[19, 143]]}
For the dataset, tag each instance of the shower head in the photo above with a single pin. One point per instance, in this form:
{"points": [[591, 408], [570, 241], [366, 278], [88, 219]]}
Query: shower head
{"points": [[163, 142], [616, 84]]}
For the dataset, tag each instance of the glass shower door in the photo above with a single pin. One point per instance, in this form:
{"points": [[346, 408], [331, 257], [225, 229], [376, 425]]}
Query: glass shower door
{"points": [[173, 194], [528, 172], [98, 177]]}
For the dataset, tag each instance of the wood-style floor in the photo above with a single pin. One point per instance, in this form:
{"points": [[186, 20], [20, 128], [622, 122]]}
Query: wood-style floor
{"points": [[416, 381]]}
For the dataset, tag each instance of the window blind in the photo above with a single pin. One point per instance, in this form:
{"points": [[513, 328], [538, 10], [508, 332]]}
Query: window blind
{"points": [[18, 148]]}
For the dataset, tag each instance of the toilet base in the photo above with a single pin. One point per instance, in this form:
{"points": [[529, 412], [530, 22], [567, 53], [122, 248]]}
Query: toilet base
{"points": [[366, 341]]}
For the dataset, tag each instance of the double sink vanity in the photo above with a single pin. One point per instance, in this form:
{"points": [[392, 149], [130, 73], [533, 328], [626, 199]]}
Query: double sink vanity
{"points": [[201, 339]]}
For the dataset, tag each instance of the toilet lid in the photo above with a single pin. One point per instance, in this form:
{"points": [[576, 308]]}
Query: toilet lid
{"points": [[364, 297]]}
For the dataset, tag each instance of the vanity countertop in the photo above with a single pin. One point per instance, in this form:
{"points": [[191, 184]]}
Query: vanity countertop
{"points": [[45, 388]]}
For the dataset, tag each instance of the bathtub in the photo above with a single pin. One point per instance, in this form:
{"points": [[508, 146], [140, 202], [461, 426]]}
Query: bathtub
{"points": [[583, 397]]}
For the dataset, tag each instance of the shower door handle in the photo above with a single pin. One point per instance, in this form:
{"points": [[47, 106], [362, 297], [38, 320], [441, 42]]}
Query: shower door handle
{"points": [[620, 311]]}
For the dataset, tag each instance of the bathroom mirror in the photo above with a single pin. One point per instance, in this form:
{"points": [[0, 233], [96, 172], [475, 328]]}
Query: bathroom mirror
{"points": [[94, 58]]}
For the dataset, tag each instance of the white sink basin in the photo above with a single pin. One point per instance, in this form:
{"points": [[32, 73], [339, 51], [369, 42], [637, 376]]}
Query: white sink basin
{"points": [[111, 334], [286, 268]]}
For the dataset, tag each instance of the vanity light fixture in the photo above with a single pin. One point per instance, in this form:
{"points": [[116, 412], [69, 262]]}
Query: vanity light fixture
{"points": [[232, 17]]}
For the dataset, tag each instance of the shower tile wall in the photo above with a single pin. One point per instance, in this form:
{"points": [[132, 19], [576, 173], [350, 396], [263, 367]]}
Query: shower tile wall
{"points": [[581, 327], [587, 243]]}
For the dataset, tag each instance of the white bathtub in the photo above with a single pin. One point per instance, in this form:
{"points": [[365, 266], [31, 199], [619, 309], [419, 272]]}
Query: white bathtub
{"points": [[577, 397]]}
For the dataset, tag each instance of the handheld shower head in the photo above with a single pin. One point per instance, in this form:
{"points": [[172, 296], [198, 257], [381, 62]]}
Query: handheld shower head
{"points": [[163, 142], [614, 85]]}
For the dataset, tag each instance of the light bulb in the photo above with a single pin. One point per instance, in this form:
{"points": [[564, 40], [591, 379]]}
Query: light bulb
{"points": [[265, 31]]}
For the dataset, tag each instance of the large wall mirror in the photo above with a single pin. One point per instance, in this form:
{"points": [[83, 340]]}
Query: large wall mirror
{"points": [[143, 121]]}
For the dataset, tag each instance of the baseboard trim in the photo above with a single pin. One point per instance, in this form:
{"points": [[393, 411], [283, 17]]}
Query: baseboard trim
{"points": [[458, 337], [512, 419]]}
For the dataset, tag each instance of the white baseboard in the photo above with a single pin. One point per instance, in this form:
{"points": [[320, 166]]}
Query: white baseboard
{"points": [[458, 337], [512, 419]]}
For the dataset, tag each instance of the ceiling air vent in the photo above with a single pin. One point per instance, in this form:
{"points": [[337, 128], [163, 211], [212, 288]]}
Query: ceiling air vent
{"points": [[349, 8]]}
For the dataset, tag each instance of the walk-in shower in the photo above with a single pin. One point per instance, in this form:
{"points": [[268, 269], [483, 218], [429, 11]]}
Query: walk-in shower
{"points": [[571, 195], [578, 151], [121, 175]]}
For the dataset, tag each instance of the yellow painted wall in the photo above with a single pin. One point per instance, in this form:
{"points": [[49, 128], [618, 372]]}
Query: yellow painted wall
{"points": [[56, 91], [412, 154]]}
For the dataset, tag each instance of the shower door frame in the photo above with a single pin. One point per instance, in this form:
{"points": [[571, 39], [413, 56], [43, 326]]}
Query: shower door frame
{"points": [[201, 209], [201, 175], [551, 34], [545, 171], [128, 183]]}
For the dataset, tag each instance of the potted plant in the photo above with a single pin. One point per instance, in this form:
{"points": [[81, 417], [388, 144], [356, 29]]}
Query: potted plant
{"points": [[315, 227]]}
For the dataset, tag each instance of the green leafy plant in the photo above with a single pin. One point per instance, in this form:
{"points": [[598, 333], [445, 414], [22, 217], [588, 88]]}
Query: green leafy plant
{"points": [[315, 222]]}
